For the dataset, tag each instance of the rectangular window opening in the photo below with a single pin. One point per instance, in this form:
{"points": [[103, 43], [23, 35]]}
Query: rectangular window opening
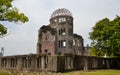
{"points": [[73, 42], [62, 20], [63, 31], [64, 43], [59, 44]]}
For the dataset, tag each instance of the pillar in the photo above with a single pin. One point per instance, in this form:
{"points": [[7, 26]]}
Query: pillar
{"points": [[8, 63], [85, 64], [19, 65], [42, 62]]}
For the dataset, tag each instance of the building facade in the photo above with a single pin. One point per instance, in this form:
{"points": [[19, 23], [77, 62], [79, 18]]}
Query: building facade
{"points": [[58, 37]]}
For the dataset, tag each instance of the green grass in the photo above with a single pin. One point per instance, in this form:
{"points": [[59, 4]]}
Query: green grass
{"points": [[4, 73], [93, 72]]}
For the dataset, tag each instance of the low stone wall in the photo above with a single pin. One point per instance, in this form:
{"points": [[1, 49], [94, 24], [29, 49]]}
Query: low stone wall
{"points": [[56, 63]]}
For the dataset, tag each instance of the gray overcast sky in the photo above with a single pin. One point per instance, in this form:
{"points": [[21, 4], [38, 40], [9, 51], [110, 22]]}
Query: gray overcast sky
{"points": [[22, 39]]}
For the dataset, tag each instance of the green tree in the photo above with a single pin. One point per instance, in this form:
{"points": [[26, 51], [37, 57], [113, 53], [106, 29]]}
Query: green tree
{"points": [[106, 37], [9, 13]]}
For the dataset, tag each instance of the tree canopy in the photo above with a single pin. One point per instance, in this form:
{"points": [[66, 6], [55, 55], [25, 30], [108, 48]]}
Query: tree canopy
{"points": [[106, 37], [9, 13]]}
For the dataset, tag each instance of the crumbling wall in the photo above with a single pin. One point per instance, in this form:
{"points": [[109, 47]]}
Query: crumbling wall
{"points": [[56, 63], [78, 45], [46, 41]]}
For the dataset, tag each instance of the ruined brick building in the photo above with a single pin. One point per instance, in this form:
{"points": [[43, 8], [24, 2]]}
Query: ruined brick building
{"points": [[58, 37], [58, 50]]}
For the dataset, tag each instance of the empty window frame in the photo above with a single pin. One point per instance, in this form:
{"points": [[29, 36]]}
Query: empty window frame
{"points": [[73, 41], [70, 30], [63, 31], [55, 20], [45, 51], [59, 43], [61, 20], [64, 43], [59, 31]]}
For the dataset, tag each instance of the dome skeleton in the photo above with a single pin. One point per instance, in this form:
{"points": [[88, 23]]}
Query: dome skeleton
{"points": [[61, 12]]}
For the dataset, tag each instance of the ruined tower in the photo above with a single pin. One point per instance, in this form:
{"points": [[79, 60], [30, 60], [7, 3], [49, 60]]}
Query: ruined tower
{"points": [[58, 37], [62, 21]]}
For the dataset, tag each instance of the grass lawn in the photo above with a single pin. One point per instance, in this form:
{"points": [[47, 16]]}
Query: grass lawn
{"points": [[4, 73], [93, 72]]}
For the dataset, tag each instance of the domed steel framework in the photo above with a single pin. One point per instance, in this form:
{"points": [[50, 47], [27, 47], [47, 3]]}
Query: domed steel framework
{"points": [[61, 12]]}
